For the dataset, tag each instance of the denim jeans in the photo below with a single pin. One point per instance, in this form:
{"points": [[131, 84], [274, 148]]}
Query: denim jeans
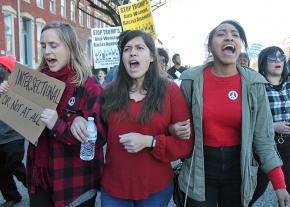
{"points": [[160, 199], [222, 178]]}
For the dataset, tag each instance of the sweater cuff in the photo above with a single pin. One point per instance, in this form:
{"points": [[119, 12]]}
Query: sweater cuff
{"points": [[277, 178]]}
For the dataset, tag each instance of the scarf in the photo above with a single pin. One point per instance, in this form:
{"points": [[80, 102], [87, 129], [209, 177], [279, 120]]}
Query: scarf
{"points": [[40, 153]]}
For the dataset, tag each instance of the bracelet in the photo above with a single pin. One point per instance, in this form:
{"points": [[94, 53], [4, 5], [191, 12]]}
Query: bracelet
{"points": [[153, 143]]}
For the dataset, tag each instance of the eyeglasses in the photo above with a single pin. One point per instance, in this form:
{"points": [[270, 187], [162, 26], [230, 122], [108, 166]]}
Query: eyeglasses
{"points": [[274, 58]]}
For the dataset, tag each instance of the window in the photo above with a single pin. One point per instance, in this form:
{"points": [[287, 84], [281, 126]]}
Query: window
{"points": [[39, 27], [27, 44], [39, 3], [9, 37], [89, 51], [95, 20], [52, 6], [72, 11], [63, 8], [97, 23], [81, 16], [88, 18]]}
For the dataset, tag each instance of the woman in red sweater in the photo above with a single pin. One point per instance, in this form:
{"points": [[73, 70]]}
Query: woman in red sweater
{"points": [[139, 107]]}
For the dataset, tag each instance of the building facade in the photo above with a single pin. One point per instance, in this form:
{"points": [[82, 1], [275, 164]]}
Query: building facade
{"points": [[21, 22]]}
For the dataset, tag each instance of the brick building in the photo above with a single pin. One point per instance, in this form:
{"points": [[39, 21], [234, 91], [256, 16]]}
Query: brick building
{"points": [[21, 22]]}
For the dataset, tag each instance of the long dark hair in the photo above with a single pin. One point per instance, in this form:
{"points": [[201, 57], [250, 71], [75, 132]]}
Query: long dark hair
{"points": [[263, 64], [116, 97], [237, 25]]}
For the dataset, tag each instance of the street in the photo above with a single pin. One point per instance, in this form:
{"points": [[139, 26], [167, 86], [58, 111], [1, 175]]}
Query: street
{"points": [[267, 200]]}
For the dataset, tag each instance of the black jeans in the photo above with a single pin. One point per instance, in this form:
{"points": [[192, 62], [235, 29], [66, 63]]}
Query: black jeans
{"points": [[262, 178], [11, 155], [284, 152], [222, 178], [43, 198], [262, 183]]}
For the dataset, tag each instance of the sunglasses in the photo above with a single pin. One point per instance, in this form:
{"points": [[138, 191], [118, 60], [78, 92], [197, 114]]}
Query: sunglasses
{"points": [[274, 58]]}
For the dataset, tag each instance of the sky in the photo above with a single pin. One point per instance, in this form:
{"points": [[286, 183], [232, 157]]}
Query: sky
{"points": [[183, 25]]}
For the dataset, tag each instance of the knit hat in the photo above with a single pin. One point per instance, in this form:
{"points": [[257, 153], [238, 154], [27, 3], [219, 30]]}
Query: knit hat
{"points": [[8, 62]]}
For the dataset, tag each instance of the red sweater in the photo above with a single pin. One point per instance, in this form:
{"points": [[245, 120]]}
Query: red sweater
{"points": [[222, 116], [137, 175], [222, 110]]}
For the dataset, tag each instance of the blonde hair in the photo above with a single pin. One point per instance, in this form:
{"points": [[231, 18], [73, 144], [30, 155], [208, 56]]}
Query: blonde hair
{"points": [[77, 58]]}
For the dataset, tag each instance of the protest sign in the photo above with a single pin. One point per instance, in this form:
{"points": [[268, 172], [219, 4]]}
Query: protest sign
{"points": [[137, 16], [254, 50], [29, 93], [105, 46]]}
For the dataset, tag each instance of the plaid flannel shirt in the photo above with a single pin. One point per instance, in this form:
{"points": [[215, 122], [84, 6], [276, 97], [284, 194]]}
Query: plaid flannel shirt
{"points": [[279, 100], [70, 176]]}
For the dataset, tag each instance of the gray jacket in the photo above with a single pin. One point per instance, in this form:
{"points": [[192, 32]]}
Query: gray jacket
{"points": [[257, 133]]}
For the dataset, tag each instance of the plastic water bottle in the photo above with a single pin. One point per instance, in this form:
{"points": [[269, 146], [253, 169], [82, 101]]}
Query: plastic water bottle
{"points": [[88, 148]]}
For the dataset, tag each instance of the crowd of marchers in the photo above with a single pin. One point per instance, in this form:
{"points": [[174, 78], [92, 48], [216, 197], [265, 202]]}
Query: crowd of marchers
{"points": [[227, 123]]}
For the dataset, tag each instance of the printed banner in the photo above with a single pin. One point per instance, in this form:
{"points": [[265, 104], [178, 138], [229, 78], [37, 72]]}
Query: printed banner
{"points": [[105, 48], [137, 16], [29, 93]]}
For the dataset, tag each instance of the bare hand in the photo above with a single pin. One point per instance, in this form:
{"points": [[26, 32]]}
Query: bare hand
{"points": [[79, 129], [283, 198], [180, 129], [49, 117], [282, 127], [135, 142], [4, 87]]}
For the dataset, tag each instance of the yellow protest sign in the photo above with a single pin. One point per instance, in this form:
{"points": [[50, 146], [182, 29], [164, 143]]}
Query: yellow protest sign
{"points": [[137, 16]]}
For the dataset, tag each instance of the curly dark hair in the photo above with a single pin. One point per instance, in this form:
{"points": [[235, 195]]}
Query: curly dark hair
{"points": [[163, 53]]}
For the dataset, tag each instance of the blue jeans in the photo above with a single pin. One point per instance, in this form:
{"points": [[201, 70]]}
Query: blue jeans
{"points": [[160, 199]]}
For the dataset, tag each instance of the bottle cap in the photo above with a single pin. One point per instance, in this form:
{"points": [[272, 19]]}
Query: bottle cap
{"points": [[90, 118]]}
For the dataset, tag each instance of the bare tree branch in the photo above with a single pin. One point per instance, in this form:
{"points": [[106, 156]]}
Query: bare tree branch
{"points": [[95, 17], [109, 9]]}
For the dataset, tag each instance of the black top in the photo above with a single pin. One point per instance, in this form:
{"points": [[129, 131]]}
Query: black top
{"points": [[171, 71], [7, 134]]}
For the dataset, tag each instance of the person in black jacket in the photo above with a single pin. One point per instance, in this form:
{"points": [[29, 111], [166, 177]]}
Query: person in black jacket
{"points": [[176, 70], [11, 149]]}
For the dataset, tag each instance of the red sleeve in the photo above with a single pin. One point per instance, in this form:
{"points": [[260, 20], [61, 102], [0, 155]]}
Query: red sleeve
{"points": [[277, 178], [169, 148], [90, 105]]}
